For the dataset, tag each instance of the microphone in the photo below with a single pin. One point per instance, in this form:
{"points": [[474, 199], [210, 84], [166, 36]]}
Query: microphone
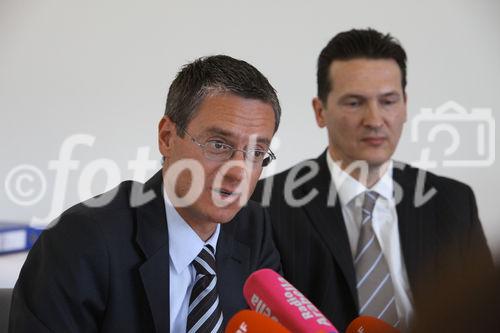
{"points": [[367, 324], [272, 295], [248, 321]]}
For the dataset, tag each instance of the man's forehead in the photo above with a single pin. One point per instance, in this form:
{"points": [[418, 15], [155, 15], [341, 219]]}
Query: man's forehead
{"points": [[235, 135], [234, 117], [361, 73], [357, 62]]}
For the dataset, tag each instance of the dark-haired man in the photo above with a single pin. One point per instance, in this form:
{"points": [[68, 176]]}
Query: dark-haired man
{"points": [[346, 238], [171, 255]]}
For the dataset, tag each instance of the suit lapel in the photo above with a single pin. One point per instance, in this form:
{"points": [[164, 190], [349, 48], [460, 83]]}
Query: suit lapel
{"points": [[410, 223], [231, 260], [152, 238], [329, 221]]}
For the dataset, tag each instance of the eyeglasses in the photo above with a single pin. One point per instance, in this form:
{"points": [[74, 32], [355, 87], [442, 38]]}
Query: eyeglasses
{"points": [[216, 150]]}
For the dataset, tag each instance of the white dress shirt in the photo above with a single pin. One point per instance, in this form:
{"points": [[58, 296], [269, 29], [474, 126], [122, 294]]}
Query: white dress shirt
{"points": [[385, 227], [184, 246]]}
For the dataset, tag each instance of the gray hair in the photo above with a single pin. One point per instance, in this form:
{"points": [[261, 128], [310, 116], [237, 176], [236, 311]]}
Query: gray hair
{"points": [[211, 75]]}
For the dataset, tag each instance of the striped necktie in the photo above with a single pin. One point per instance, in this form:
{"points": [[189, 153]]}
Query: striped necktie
{"points": [[374, 283], [204, 312]]}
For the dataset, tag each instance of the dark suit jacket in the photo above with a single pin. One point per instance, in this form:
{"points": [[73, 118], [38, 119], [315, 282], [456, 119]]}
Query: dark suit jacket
{"points": [[107, 269], [314, 247]]}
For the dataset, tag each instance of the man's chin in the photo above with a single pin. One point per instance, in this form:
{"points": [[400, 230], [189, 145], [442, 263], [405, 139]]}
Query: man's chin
{"points": [[225, 217], [376, 160]]}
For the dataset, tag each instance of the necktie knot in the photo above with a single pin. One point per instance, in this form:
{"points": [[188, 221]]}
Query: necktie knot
{"points": [[204, 263], [369, 202]]}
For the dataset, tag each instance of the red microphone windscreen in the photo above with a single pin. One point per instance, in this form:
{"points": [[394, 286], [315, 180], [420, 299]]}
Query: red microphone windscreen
{"points": [[367, 324], [248, 321], [269, 293]]}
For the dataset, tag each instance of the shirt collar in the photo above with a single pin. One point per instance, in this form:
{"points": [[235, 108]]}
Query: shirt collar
{"points": [[349, 188], [184, 242]]}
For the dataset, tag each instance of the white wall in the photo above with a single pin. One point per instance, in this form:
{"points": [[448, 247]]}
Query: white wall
{"points": [[102, 68]]}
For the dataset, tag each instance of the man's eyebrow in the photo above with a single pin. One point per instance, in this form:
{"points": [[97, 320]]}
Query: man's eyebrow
{"points": [[391, 93], [352, 95], [218, 131], [214, 130], [362, 97]]}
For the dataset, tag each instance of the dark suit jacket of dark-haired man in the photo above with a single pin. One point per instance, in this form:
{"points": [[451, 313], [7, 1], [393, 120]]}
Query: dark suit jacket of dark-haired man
{"points": [[314, 247], [107, 269]]}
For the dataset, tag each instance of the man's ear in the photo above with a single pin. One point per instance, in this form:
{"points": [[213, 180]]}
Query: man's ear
{"points": [[319, 110], [166, 134]]}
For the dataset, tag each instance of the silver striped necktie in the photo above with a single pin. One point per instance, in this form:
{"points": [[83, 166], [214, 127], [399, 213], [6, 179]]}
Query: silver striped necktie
{"points": [[374, 283]]}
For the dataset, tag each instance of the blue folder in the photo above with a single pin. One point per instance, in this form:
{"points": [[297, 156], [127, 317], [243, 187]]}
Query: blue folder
{"points": [[17, 237]]}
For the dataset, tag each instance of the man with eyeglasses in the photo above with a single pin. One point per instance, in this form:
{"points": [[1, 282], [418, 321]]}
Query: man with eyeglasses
{"points": [[172, 254]]}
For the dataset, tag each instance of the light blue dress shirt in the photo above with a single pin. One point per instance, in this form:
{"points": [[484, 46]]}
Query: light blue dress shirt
{"points": [[184, 247]]}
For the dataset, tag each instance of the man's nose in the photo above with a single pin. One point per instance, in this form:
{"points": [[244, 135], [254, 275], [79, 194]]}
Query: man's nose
{"points": [[238, 167], [373, 117]]}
